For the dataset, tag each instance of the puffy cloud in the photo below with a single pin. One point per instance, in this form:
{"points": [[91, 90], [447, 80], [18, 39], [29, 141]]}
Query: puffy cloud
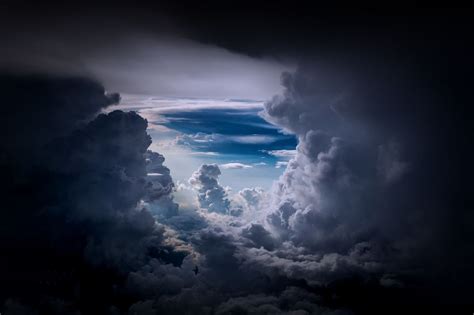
{"points": [[364, 168], [160, 185], [253, 196], [259, 236], [83, 224], [352, 219], [211, 195], [34, 111]]}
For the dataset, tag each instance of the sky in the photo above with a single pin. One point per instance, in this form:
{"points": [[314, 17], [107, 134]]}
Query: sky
{"points": [[162, 158], [228, 132]]}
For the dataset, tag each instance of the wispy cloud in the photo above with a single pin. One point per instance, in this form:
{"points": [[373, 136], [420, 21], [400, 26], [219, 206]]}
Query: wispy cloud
{"points": [[288, 154], [155, 105], [201, 138], [281, 164], [253, 139], [234, 166], [205, 153]]}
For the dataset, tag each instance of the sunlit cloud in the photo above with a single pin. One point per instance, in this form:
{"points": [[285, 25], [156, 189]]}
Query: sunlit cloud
{"points": [[281, 153], [234, 166]]}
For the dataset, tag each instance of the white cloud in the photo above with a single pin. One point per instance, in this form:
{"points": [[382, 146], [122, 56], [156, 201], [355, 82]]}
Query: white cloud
{"points": [[287, 154], [281, 164], [253, 139], [233, 166], [202, 138], [205, 153], [150, 105]]}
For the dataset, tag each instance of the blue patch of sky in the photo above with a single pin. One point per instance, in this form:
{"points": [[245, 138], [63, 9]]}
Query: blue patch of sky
{"points": [[230, 133], [226, 136]]}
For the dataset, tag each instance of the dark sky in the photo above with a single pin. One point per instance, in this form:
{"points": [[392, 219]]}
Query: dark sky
{"points": [[278, 28], [372, 214]]}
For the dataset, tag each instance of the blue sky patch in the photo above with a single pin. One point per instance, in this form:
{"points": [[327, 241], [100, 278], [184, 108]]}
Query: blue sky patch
{"points": [[246, 147]]}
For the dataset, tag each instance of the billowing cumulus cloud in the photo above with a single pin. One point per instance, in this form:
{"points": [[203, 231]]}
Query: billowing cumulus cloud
{"points": [[85, 179], [371, 214], [357, 219], [211, 195], [160, 185], [292, 300], [356, 196]]}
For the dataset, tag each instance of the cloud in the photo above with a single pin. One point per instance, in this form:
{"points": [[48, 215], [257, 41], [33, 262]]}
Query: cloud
{"points": [[358, 218], [160, 185], [211, 195], [137, 62], [280, 164], [389, 164], [292, 300], [205, 153], [200, 139], [85, 177], [282, 153], [233, 166], [155, 106], [259, 236], [358, 176], [253, 139]]}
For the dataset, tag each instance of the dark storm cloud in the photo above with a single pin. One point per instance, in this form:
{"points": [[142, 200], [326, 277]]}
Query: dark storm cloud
{"points": [[372, 171], [71, 223], [76, 232], [87, 239], [371, 214], [292, 300], [133, 49]]}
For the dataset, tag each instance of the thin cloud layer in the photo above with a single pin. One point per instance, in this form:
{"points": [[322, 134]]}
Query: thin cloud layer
{"points": [[234, 166]]}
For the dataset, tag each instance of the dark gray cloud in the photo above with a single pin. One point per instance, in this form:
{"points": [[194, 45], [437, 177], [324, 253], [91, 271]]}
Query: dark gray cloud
{"points": [[99, 231], [371, 215], [367, 176], [292, 300], [81, 228]]}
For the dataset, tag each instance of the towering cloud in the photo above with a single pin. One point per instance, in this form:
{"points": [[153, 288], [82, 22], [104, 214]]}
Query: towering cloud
{"points": [[211, 195], [72, 225], [364, 189]]}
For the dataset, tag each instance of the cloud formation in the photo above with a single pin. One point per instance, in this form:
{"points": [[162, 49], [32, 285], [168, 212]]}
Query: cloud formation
{"points": [[234, 165], [211, 195], [355, 221], [358, 179], [85, 178]]}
